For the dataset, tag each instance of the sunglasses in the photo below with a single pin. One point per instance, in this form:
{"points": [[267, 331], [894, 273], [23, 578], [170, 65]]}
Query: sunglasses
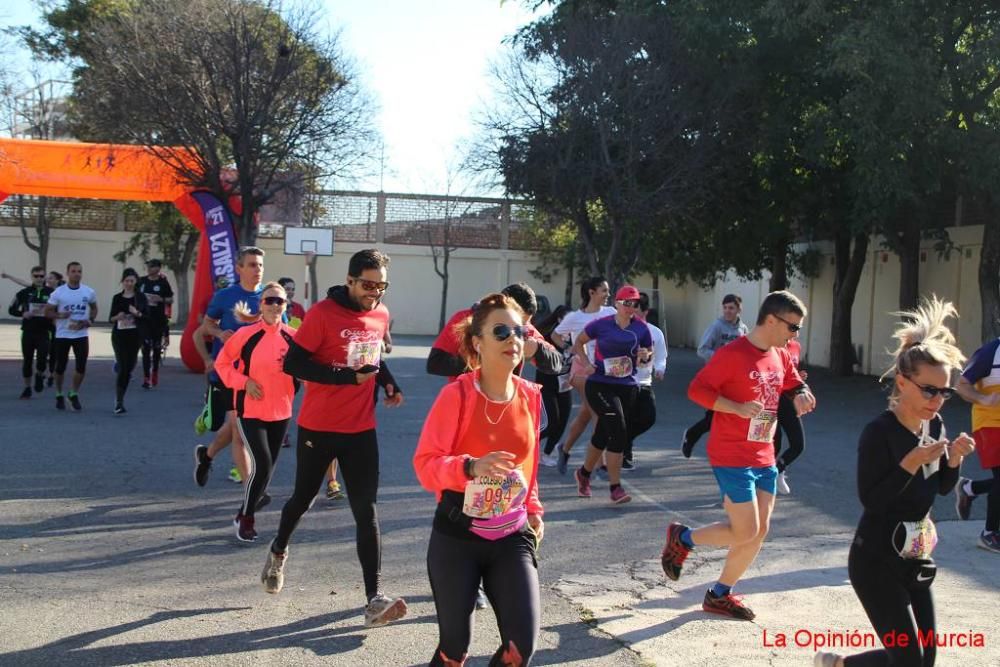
{"points": [[502, 332], [791, 327], [37, 275], [629, 303], [274, 301], [929, 391], [371, 285]]}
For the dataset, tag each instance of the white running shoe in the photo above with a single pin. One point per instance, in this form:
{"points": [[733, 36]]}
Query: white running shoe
{"points": [[549, 460], [783, 487], [383, 610]]}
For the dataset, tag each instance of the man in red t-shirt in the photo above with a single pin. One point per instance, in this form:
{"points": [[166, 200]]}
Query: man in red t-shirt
{"points": [[742, 383], [337, 353]]}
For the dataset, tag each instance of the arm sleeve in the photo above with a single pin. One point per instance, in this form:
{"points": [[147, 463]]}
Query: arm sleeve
{"points": [[168, 291], [385, 377], [437, 465], [706, 348], [547, 358], [225, 363], [15, 309], [880, 479], [442, 363], [793, 381], [300, 365], [660, 353], [116, 307], [705, 387], [215, 308]]}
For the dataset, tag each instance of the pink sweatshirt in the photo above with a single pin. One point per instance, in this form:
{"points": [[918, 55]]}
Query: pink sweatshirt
{"points": [[439, 460], [257, 352]]}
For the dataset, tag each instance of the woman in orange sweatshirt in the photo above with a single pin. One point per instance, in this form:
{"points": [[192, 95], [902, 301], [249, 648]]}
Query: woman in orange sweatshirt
{"points": [[250, 364], [478, 452]]}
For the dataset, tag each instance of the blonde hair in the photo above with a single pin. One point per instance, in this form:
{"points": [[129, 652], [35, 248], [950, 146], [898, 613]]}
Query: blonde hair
{"points": [[924, 339], [242, 311]]}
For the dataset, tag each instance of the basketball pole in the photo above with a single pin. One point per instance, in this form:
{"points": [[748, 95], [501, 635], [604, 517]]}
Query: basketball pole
{"points": [[308, 289]]}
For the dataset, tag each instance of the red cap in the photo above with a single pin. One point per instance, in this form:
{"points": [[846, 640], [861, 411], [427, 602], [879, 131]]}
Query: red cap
{"points": [[626, 292]]}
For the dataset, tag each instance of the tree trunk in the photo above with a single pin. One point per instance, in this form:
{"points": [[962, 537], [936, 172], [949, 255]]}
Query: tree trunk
{"points": [[779, 265], [444, 289], [180, 269], [908, 251], [849, 264], [989, 276]]}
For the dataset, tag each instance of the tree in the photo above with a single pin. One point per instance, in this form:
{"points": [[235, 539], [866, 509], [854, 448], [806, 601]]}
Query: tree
{"points": [[250, 85]]}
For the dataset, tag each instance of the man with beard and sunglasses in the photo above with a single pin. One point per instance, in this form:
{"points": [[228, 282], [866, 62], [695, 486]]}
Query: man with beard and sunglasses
{"points": [[337, 353]]}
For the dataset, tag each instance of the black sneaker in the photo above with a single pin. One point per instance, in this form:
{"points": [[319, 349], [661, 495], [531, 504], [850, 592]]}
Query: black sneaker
{"points": [[74, 402], [120, 409], [202, 465], [687, 446], [60, 403], [563, 462], [26, 393], [39, 384], [628, 464], [963, 501], [727, 605], [245, 531]]}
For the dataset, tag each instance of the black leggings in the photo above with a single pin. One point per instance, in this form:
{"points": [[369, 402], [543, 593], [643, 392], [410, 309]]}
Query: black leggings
{"points": [[34, 343], [357, 454], [991, 487], [152, 347], [613, 404], [509, 573], [789, 422], [888, 601], [81, 350], [643, 417], [558, 405], [126, 346], [263, 441]]}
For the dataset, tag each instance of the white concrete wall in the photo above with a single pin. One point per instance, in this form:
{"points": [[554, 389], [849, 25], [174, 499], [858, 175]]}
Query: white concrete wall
{"points": [[414, 297]]}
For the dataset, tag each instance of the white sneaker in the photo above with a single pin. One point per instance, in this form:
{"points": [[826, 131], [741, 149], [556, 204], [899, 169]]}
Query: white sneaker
{"points": [[383, 610], [783, 487], [824, 659], [549, 460]]}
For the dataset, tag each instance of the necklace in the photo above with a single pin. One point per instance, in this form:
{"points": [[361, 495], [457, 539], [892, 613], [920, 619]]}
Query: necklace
{"points": [[506, 404]]}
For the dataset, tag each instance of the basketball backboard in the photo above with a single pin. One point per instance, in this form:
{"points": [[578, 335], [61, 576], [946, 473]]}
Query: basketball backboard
{"points": [[302, 240]]}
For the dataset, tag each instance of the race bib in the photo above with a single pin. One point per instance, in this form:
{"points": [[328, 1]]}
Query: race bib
{"points": [[763, 427], [915, 539], [363, 353], [37, 309], [618, 367], [487, 497], [125, 323]]}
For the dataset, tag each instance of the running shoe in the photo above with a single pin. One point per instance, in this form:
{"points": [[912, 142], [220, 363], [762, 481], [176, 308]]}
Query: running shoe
{"points": [[675, 552], [119, 409], [824, 659], [334, 492], [145, 382], [628, 464], [263, 501], [26, 393], [783, 487], [234, 475], [74, 402], [562, 463], [963, 501], [482, 602], [202, 465], [687, 446], [273, 575], [154, 379], [39, 384], [619, 496], [244, 528], [549, 460], [989, 540], [582, 484], [727, 605], [60, 403], [382, 610]]}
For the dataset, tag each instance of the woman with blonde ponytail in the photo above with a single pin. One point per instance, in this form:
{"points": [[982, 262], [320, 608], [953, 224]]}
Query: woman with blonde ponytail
{"points": [[905, 459]]}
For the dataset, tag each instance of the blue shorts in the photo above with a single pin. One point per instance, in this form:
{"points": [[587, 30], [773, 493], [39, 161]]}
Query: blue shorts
{"points": [[740, 484]]}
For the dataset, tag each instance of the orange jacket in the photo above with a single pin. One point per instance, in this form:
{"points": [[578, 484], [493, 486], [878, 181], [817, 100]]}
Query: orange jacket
{"points": [[258, 351], [439, 461]]}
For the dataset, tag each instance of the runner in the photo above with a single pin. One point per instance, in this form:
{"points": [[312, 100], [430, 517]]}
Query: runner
{"points": [[296, 312], [156, 288], [741, 383], [980, 385], [904, 461], [723, 331], [594, 295], [557, 394], [29, 307], [644, 415], [129, 318], [220, 323], [336, 351], [622, 343], [73, 306], [790, 423], [489, 520], [250, 365]]}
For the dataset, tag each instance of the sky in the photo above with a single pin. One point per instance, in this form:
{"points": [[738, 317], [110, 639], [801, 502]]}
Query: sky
{"points": [[425, 62]]}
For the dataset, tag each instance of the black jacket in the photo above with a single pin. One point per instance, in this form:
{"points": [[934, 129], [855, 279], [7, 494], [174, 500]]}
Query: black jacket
{"points": [[22, 304]]}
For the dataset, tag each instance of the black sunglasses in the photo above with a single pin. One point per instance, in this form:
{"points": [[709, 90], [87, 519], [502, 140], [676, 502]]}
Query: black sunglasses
{"points": [[371, 285], [791, 327], [274, 301], [502, 332], [37, 275], [929, 391]]}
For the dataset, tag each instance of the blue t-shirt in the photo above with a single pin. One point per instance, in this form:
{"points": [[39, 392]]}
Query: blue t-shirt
{"points": [[221, 308], [616, 349]]}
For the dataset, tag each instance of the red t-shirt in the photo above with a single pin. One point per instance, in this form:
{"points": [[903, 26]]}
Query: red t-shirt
{"points": [[741, 372], [449, 341], [339, 336], [295, 309], [795, 352]]}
